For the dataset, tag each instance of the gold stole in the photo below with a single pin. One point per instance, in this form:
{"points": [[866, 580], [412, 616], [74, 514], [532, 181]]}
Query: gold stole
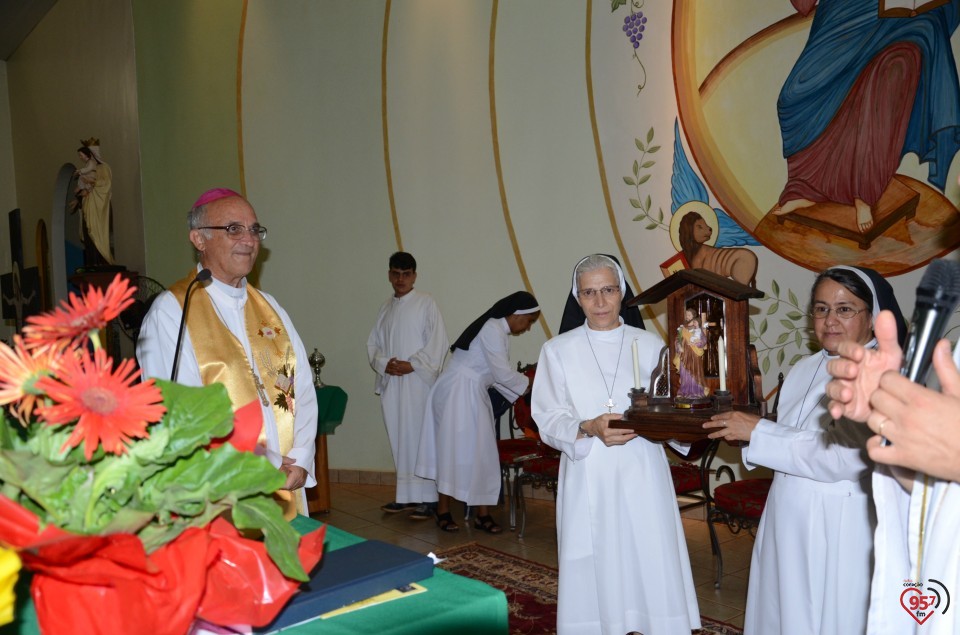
{"points": [[222, 358]]}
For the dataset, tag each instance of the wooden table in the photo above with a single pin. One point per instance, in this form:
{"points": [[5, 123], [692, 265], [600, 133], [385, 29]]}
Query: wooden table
{"points": [[331, 406]]}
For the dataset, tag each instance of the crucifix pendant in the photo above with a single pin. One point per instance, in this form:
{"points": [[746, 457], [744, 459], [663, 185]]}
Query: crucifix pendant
{"points": [[261, 390], [609, 405]]}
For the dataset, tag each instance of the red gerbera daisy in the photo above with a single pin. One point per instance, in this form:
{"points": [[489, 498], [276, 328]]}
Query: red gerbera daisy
{"points": [[76, 318], [107, 406], [19, 371]]}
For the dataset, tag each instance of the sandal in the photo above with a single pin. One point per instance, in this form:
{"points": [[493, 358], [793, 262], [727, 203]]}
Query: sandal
{"points": [[445, 522], [487, 524]]}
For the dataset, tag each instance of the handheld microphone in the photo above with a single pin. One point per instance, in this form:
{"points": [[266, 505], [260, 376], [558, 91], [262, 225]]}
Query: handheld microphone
{"points": [[937, 297], [202, 276]]}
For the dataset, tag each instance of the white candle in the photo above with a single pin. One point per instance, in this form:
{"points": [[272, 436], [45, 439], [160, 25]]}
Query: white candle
{"points": [[722, 355], [636, 366]]}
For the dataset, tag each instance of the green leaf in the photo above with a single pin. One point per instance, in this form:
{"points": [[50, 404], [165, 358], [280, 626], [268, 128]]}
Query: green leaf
{"points": [[652, 226], [774, 307], [793, 298], [650, 135], [649, 203], [7, 435], [798, 339], [635, 203], [643, 179], [648, 164], [766, 365], [636, 168], [639, 217], [776, 288], [782, 338], [795, 315], [780, 355], [763, 327], [661, 215], [653, 149], [796, 358], [214, 475], [279, 537], [616, 4], [640, 146], [787, 324], [196, 415], [629, 180]]}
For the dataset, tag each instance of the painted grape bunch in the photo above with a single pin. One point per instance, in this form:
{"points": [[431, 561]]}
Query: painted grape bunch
{"points": [[633, 27]]}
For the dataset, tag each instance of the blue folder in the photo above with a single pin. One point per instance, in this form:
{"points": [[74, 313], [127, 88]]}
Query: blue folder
{"points": [[351, 574]]}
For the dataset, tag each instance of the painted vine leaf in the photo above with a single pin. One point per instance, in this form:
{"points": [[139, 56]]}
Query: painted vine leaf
{"points": [[796, 332], [640, 176]]}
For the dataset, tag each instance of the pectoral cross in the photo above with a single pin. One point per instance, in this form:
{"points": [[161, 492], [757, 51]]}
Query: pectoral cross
{"points": [[609, 405], [261, 389]]}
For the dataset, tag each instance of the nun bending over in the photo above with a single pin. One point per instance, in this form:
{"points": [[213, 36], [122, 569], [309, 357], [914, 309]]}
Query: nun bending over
{"points": [[458, 447]]}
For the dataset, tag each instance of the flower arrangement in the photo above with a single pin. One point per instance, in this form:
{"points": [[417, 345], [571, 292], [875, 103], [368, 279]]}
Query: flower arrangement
{"points": [[130, 502]]}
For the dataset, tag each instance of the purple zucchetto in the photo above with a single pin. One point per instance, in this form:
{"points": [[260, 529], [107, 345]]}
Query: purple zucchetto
{"points": [[214, 195]]}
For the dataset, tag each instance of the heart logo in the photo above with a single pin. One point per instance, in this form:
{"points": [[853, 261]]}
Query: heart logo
{"points": [[919, 604]]}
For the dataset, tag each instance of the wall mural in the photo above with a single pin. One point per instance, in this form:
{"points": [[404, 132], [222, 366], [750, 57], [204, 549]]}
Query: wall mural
{"points": [[866, 118]]}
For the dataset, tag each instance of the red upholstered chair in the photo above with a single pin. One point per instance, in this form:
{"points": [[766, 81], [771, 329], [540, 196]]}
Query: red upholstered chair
{"points": [[515, 452], [540, 472], [737, 504], [686, 475]]}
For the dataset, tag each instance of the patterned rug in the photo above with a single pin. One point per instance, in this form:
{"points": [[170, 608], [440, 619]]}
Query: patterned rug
{"points": [[531, 588]]}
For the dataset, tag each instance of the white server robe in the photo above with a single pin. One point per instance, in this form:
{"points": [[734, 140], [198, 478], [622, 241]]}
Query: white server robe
{"points": [[409, 328], [458, 447], [623, 558], [897, 551], [155, 352], [811, 564]]}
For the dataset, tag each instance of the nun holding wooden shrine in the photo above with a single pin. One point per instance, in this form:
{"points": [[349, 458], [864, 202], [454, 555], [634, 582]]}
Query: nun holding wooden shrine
{"points": [[623, 560]]}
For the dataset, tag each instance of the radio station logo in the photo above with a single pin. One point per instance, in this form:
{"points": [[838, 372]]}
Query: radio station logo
{"points": [[923, 600]]}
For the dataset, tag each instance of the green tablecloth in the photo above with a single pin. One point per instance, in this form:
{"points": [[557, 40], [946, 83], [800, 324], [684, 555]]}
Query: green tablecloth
{"points": [[331, 405], [452, 604]]}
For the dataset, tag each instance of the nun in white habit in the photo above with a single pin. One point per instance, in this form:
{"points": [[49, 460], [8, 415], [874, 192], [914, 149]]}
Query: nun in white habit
{"points": [[812, 559], [623, 559], [458, 447]]}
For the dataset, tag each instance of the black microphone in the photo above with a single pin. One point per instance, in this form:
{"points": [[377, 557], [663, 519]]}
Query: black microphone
{"points": [[202, 276], [937, 297]]}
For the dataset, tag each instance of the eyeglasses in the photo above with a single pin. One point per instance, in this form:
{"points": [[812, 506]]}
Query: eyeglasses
{"points": [[236, 230], [842, 312], [606, 292]]}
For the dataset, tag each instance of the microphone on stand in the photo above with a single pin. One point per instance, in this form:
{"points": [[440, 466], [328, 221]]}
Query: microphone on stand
{"points": [[937, 298], [202, 276]]}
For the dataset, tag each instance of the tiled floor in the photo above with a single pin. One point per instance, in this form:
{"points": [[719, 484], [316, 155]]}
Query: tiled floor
{"points": [[356, 508]]}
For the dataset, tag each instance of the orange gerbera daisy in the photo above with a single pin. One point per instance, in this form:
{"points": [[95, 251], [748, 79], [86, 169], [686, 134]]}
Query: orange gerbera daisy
{"points": [[107, 406], [76, 318], [19, 372]]}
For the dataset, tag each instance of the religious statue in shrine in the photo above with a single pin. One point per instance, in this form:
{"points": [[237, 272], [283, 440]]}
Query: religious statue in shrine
{"points": [[691, 345], [93, 190]]}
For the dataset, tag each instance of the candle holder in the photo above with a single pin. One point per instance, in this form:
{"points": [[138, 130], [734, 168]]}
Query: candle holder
{"points": [[638, 403], [722, 400]]}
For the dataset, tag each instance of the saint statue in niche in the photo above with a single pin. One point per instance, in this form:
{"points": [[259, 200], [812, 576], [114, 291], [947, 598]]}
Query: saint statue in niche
{"points": [[691, 343], [93, 192]]}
